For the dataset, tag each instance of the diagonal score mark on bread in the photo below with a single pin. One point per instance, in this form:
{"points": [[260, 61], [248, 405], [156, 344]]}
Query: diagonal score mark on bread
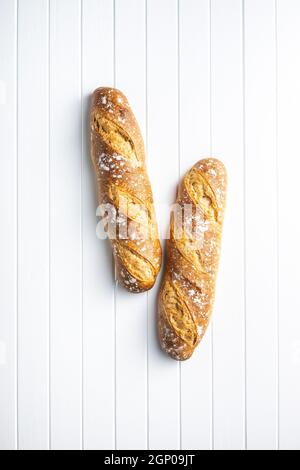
{"points": [[201, 193], [114, 136], [136, 265], [188, 247], [129, 205], [179, 315]]}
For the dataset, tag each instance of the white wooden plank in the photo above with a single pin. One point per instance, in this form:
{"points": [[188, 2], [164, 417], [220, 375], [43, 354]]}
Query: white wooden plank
{"points": [[227, 144], [163, 163], [8, 245], [98, 274], [33, 223], [289, 227], [65, 224], [261, 224], [131, 309], [194, 40]]}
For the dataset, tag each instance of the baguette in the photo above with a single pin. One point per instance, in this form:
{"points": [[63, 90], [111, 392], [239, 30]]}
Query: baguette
{"points": [[187, 291], [124, 191]]}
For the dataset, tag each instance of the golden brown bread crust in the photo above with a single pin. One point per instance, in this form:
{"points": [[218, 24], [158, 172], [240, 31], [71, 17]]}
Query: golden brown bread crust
{"points": [[187, 292], [118, 156]]}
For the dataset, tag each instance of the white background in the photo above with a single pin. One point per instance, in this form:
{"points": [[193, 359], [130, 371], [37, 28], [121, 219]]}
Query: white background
{"points": [[80, 366]]}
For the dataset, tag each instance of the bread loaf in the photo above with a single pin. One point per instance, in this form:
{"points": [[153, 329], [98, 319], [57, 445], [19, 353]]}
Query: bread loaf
{"points": [[187, 292], [124, 191]]}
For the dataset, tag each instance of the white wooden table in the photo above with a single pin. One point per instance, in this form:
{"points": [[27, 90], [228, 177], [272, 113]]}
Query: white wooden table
{"points": [[80, 366]]}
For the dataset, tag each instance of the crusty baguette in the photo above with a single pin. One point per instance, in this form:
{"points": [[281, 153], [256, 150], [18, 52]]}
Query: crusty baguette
{"points": [[118, 155], [187, 292]]}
